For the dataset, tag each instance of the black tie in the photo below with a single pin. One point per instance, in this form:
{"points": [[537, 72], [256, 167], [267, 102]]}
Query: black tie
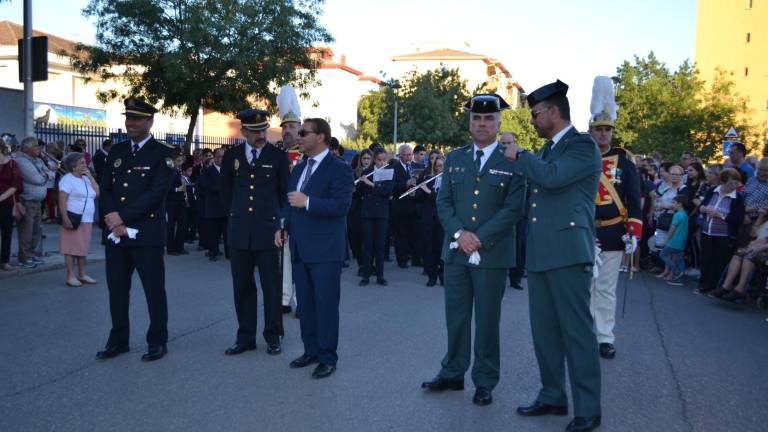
{"points": [[254, 156], [547, 148], [135, 148], [308, 174], [478, 160]]}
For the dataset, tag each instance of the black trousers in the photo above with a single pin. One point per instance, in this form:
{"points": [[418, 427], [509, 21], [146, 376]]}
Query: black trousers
{"points": [[217, 228], [202, 224], [148, 262], [191, 232], [6, 231], [432, 239], [374, 238], [516, 273], [355, 234], [243, 263], [404, 231], [716, 252], [176, 226]]}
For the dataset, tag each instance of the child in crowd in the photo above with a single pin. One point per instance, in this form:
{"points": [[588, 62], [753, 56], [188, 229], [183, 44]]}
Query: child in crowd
{"points": [[673, 253]]}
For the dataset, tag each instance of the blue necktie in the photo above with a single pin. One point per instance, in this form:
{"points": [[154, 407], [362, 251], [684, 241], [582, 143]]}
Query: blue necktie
{"points": [[135, 148], [307, 175], [478, 160], [255, 155]]}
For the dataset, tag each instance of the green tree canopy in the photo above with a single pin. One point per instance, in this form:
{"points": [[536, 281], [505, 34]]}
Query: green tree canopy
{"points": [[218, 54], [430, 110], [671, 112], [519, 121]]}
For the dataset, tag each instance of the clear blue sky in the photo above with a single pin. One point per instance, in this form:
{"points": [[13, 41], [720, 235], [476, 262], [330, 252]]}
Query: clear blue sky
{"points": [[538, 41]]}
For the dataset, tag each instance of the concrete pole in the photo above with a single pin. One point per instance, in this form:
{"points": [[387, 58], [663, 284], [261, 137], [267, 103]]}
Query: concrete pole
{"points": [[29, 122]]}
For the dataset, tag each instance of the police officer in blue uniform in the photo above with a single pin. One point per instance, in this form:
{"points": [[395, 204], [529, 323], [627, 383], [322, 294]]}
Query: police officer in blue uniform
{"points": [[254, 179], [134, 185]]}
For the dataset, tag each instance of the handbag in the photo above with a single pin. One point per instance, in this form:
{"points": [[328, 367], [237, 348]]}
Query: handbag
{"points": [[18, 210], [664, 221], [74, 218]]}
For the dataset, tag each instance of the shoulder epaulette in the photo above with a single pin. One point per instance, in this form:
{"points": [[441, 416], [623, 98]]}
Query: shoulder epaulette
{"points": [[167, 145]]}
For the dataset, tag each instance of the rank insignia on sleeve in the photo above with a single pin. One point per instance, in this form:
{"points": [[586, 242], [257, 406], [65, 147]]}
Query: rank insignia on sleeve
{"points": [[169, 162], [237, 164], [118, 162]]}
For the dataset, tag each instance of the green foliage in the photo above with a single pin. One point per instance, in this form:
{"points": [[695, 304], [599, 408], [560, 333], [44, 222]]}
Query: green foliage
{"points": [[430, 110], [220, 54], [671, 112], [519, 121]]}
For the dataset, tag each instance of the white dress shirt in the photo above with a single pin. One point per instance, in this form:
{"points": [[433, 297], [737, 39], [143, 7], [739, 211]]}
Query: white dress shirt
{"points": [[558, 136], [249, 152], [144, 141], [487, 152], [318, 160]]}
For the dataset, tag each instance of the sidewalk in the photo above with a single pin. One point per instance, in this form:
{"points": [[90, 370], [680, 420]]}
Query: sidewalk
{"points": [[54, 260]]}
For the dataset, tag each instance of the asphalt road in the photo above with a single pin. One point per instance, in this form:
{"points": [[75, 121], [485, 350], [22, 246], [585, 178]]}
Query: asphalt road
{"points": [[685, 362]]}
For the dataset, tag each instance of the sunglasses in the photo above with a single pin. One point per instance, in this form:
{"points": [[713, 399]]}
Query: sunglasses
{"points": [[303, 133], [535, 114]]}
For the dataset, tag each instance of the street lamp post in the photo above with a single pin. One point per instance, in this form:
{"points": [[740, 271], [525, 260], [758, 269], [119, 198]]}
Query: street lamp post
{"points": [[29, 129], [394, 85]]}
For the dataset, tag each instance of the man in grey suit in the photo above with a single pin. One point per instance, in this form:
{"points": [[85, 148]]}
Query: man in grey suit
{"points": [[560, 254]]}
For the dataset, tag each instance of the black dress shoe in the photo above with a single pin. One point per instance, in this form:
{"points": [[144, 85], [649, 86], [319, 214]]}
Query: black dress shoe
{"points": [[239, 348], [345, 264], [518, 286], [183, 252], [287, 309], [173, 253], [274, 349], [323, 371], [734, 297], [607, 351], [583, 424], [111, 352], [382, 281], [154, 353], [303, 361], [363, 282], [482, 396], [213, 258], [440, 384], [539, 409], [432, 282], [402, 265]]}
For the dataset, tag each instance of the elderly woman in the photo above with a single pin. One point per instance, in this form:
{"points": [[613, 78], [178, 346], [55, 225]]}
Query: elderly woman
{"points": [[10, 186], [723, 210], [77, 193]]}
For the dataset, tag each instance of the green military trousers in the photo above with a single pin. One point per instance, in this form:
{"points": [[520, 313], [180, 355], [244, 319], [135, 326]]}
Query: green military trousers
{"points": [[563, 330], [485, 287]]}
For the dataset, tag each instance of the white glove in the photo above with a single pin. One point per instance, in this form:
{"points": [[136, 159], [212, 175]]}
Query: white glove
{"points": [[630, 244], [474, 258], [132, 232], [598, 261]]}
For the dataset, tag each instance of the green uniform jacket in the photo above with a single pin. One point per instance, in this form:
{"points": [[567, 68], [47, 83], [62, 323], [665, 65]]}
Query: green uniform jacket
{"points": [[487, 204], [561, 216]]}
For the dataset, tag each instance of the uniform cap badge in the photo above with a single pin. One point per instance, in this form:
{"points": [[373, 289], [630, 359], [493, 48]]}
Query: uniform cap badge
{"points": [[237, 164], [118, 162], [169, 162]]}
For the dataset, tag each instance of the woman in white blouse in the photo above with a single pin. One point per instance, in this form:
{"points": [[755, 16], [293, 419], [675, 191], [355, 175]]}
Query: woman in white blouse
{"points": [[77, 194]]}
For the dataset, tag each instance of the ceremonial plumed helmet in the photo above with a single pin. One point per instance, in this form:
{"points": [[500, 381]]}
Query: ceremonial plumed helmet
{"points": [[137, 107], [547, 92], [254, 119], [288, 105], [486, 103], [603, 106]]}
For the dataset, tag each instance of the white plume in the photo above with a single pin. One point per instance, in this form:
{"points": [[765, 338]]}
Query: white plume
{"points": [[287, 102], [603, 99]]}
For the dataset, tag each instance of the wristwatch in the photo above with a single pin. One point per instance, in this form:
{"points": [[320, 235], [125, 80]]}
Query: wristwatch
{"points": [[458, 234]]}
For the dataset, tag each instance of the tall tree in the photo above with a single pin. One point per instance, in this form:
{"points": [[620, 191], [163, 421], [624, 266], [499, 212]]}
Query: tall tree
{"points": [[519, 121], [430, 110], [669, 112], [217, 54]]}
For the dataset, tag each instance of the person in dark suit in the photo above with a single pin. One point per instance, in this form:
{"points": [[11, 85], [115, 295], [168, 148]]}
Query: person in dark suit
{"points": [[190, 203], [100, 158], [374, 210], [564, 178], [403, 210], [202, 228], [360, 163], [175, 211], [215, 213], [135, 182], [428, 222], [254, 178], [320, 197]]}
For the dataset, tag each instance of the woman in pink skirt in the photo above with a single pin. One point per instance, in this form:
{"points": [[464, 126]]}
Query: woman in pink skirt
{"points": [[77, 194]]}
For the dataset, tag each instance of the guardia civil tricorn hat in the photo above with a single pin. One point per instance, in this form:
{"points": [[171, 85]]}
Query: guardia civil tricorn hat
{"points": [[254, 119], [486, 103], [549, 91], [137, 107]]}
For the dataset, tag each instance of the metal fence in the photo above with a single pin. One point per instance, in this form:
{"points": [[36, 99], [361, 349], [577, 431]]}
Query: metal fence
{"points": [[94, 136]]}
